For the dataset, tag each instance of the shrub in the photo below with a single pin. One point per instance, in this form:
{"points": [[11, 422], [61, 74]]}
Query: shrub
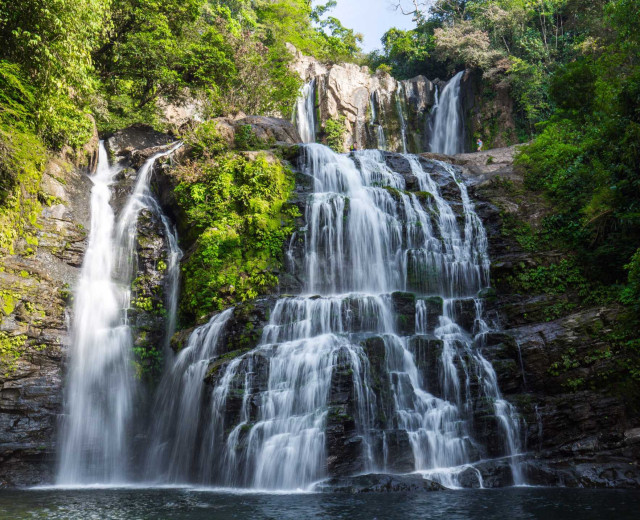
{"points": [[238, 219], [334, 131]]}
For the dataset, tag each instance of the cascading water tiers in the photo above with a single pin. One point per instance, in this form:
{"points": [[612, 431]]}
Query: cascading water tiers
{"points": [[377, 366]]}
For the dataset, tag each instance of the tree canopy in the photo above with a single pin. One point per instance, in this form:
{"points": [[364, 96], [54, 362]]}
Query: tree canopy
{"points": [[116, 58]]}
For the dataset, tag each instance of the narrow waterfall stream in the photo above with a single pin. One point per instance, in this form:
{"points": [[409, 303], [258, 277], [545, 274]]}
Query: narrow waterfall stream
{"points": [[97, 427], [401, 110], [305, 113], [377, 121], [446, 121], [386, 342]]}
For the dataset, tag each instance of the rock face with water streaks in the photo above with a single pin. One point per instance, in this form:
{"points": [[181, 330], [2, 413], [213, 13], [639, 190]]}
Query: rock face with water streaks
{"points": [[37, 292], [382, 112], [377, 109], [551, 357], [35, 286]]}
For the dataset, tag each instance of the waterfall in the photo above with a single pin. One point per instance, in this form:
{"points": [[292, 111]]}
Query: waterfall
{"points": [[99, 396], [447, 135], [343, 352], [401, 109], [305, 112], [175, 449], [377, 123]]}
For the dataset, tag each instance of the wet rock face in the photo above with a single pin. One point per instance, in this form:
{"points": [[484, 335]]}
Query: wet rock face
{"points": [[368, 101], [37, 299], [148, 297], [344, 442], [35, 289], [488, 111], [123, 143], [579, 434]]}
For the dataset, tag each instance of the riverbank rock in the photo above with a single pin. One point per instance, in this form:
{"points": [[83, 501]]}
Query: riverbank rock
{"points": [[378, 483]]}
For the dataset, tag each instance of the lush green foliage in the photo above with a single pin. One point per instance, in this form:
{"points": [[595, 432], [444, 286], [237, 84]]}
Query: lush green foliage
{"points": [[236, 209], [22, 160], [406, 54], [587, 156], [515, 43], [51, 42], [123, 59], [586, 160], [334, 133]]}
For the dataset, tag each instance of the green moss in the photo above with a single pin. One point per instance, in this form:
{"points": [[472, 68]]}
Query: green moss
{"points": [[395, 193], [143, 303], [238, 220], [147, 359], [24, 156], [11, 349], [424, 197], [565, 280], [8, 302]]}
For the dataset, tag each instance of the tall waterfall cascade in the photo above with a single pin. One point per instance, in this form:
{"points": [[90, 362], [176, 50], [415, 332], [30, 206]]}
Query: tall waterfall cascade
{"points": [[305, 112], [447, 133], [377, 367], [98, 422]]}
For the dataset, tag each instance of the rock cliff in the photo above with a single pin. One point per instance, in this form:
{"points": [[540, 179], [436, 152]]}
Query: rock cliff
{"points": [[550, 356], [381, 112], [553, 359], [36, 286], [377, 109]]}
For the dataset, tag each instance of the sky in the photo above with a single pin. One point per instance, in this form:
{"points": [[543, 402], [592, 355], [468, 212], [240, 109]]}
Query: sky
{"points": [[372, 18]]}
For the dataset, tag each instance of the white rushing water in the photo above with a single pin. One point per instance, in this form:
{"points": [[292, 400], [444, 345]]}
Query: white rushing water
{"points": [[401, 110], [305, 112], [447, 135], [96, 432], [265, 424], [377, 121]]}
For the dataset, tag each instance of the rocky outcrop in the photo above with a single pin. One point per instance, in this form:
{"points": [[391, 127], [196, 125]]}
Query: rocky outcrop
{"points": [[127, 144], [377, 108], [270, 131], [489, 112], [382, 112]]}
